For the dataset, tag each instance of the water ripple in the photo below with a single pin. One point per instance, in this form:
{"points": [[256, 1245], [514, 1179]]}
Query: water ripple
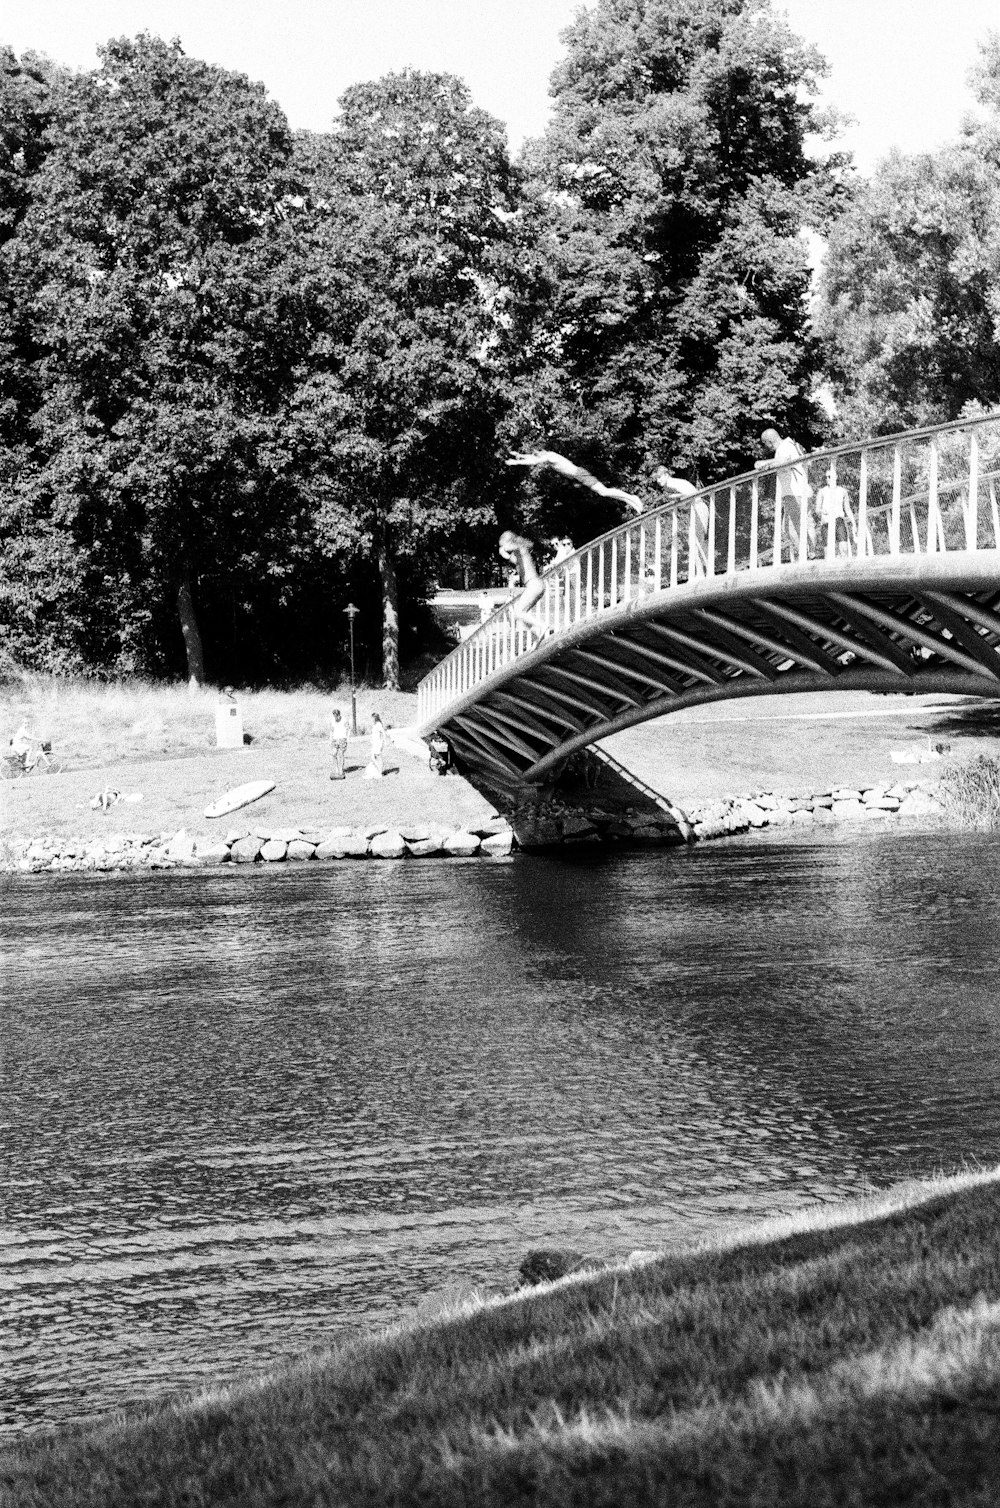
{"points": [[243, 1112]]}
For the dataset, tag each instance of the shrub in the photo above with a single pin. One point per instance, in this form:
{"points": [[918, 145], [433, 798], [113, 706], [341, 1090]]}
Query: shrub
{"points": [[972, 792]]}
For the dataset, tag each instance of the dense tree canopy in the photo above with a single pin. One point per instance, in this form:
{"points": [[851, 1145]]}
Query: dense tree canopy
{"points": [[677, 173], [246, 375], [415, 219], [156, 278], [910, 306]]}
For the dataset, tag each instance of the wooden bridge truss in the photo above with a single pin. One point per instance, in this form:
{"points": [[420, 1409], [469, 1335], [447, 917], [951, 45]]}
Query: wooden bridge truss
{"points": [[872, 567]]}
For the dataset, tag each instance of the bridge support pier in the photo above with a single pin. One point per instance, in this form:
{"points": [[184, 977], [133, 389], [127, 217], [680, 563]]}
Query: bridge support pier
{"points": [[592, 799]]}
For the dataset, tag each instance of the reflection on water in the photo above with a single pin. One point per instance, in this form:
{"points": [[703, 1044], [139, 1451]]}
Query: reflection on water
{"points": [[242, 1112]]}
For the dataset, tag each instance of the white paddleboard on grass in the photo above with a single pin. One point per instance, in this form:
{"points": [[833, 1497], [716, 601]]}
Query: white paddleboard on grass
{"points": [[240, 795]]}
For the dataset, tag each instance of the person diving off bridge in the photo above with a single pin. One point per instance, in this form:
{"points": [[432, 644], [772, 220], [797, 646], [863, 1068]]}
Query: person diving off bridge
{"points": [[577, 474], [664, 477]]}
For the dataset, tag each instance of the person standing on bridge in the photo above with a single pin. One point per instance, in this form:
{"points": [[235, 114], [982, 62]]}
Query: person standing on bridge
{"points": [[834, 507], [679, 489], [791, 485]]}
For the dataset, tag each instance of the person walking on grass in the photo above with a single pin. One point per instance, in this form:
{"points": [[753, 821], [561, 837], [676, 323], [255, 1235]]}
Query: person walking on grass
{"points": [[338, 742], [374, 769]]}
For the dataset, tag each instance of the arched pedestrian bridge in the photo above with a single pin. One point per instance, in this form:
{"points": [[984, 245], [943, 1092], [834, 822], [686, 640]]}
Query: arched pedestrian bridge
{"points": [[872, 567]]}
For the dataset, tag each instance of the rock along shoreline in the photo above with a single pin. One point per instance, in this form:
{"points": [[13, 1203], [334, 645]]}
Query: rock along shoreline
{"points": [[266, 846]]}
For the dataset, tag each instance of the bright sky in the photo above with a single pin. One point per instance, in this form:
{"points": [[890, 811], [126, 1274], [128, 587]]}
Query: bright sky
{"points": [[898, 66]]}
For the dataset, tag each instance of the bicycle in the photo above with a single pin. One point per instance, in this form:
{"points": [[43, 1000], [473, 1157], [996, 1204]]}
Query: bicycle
{"points": [[16, 766]]}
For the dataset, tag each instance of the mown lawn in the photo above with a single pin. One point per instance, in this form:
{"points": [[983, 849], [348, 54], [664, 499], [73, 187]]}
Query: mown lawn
{"points": [[811, 1364]]}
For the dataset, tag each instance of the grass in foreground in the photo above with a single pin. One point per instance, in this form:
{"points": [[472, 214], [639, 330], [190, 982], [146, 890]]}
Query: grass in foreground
{"points": [[813, 1363]]}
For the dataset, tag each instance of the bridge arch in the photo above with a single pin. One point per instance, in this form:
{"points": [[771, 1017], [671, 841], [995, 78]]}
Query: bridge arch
{"points": [[867, 567]]}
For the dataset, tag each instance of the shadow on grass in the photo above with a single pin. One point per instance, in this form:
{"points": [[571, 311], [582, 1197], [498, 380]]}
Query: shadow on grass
{"points": [[972, 719]]}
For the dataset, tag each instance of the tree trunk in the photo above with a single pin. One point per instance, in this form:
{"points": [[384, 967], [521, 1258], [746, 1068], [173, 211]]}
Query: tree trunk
{"points": [[390, 611], [191, 632]]}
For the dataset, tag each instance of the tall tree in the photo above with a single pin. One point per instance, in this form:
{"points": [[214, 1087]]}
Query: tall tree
{"points": [[415, 216], [679, 177], [158, 265], [909, 307], [38, 563]]}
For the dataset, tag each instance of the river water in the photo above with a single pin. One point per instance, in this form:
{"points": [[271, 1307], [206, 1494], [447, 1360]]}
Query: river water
{"points": [[243, 1112]]}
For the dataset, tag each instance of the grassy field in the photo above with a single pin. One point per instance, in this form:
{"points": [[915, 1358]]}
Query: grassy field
{"points": [[851, 1356], [796, 744], [158, 742]]}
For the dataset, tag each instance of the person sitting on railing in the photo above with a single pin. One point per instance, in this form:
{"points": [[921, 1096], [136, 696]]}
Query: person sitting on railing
{"points": [[791, 487], [518, 550], [834, 507]]}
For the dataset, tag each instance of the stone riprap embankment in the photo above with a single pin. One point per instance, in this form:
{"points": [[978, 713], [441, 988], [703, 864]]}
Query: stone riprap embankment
{"points": [[496, 839], [905, 799], [245, 845]]}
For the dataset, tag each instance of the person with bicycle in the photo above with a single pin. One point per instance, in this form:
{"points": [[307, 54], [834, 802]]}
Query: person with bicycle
{"points": [[26, 751]]}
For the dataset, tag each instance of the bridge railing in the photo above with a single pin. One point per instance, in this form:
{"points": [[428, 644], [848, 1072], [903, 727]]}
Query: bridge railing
{"points": [[924, 492]]}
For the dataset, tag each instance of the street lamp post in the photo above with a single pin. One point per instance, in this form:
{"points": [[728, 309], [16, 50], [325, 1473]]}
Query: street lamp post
{"points": [[352, 613]]}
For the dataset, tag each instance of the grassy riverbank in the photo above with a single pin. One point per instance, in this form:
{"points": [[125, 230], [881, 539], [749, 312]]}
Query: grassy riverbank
{"points": [[158, 742], [850, 1355]]}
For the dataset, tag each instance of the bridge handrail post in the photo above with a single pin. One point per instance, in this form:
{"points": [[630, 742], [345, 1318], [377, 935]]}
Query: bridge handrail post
{"points": [[803, 521], [863, 504], [712, 515], [830, 550], [754, 522], [972, 511], [627, 572], [934, 499], [776, 557], [673, 548], [658, 553], [731, 540], [897, 492]]}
